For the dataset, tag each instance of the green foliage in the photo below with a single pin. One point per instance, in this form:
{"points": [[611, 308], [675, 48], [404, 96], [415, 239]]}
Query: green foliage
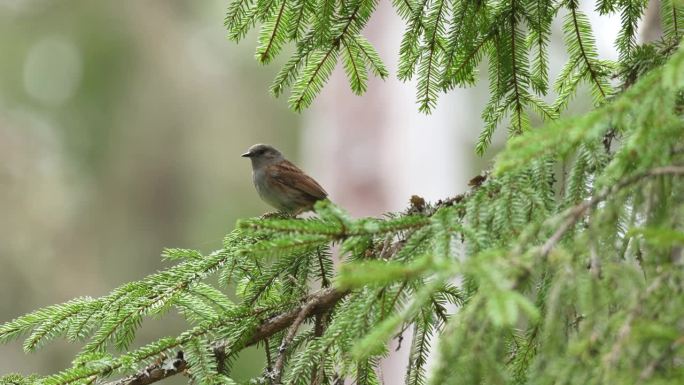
{"points": [[200, 357], [322, 31], [562, 264], [17, 379], [444, 43], [583, 64], [672, 18]]}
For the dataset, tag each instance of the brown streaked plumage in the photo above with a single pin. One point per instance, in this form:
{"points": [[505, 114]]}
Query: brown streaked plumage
{"points": [[280, 183]]}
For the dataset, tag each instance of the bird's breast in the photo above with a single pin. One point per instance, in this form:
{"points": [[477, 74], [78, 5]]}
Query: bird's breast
{"points": [[267, 191]]}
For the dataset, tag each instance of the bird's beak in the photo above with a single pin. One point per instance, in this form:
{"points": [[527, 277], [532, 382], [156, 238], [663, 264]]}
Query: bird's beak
{"points": [[246, 154]]}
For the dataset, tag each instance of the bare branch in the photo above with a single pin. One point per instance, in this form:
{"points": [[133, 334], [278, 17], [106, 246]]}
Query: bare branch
{"points": [[155, 372], [292, 331]]}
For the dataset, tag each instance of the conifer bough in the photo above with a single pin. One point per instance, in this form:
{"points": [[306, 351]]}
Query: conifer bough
{"points": [[444, 43]]}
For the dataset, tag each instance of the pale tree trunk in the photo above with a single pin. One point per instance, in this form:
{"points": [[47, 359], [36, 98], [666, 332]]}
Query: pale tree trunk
{"points": [[651, 29], [373, 152]]}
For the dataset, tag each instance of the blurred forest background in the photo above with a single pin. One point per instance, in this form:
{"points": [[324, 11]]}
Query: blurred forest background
{"points": [[121, 125]]}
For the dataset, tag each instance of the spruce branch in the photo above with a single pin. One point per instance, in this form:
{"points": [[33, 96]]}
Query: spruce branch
{"points": [[356, 70], [583, 52], [273, 34], [650, 369], [623, 333], [370, 56], [315, 304], [325, 282], [517, 102], [468, 62], [291, 332], [457, 25], [574, 214], [155, 372], [429, 73], [409, 51]]}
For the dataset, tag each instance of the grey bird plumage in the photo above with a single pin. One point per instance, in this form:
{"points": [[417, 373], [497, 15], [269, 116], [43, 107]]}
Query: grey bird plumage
{"points": [[280, 183]]}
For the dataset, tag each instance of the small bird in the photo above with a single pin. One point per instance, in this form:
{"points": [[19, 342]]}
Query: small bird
{"points": [[280, 183]]}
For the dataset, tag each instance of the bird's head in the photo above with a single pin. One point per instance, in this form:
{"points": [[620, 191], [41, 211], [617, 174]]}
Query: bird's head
{"points": [[262, 155]]}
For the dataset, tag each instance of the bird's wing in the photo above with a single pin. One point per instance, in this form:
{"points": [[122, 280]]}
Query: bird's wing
{"points": [[290, 175]]}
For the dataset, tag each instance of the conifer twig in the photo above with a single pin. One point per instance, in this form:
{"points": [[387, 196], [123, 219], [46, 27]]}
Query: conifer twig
{"points": [[574, 214], [650, 369], [269, 362], [324, 280], [626, 328], [291, 332]]}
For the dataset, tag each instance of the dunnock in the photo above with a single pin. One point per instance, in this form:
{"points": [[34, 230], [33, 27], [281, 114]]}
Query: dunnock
{"points": [[280, 183]]}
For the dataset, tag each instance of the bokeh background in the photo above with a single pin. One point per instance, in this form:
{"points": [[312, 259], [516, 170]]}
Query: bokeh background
{"points": [[121, 125]]}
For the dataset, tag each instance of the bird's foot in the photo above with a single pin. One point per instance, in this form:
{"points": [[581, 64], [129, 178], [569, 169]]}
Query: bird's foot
{"points": [[276, 215]]}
